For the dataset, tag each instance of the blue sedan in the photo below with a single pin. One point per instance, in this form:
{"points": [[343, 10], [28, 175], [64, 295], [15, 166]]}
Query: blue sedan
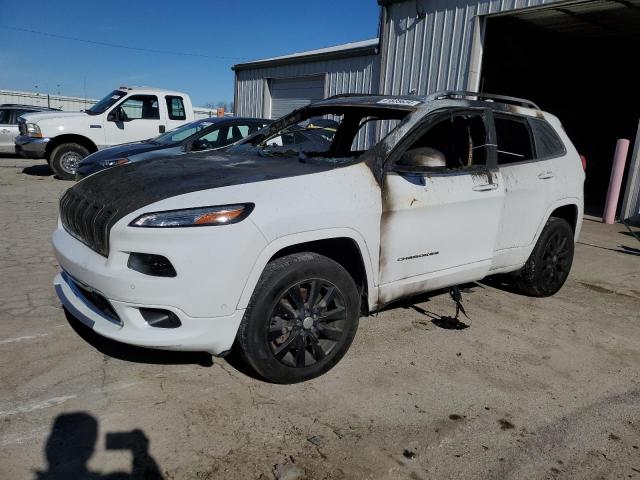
{"points": [[200, 135]]}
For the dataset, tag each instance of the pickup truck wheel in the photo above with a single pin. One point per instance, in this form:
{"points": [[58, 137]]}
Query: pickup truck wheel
{"points": [[301, 319], [550, 262], [65, 159]]}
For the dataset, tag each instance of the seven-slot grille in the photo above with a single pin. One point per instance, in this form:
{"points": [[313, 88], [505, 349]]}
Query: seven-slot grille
{"points": [[22, 127], [87, 220]]}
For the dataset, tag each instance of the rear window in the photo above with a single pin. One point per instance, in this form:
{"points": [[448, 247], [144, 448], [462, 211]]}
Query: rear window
{"points": [[515, 143], [175, 107], [548, 143], [5, 117]]}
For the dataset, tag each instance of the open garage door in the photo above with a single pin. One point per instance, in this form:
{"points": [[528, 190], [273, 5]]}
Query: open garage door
{"points": [[577, 61], [287, 94]]}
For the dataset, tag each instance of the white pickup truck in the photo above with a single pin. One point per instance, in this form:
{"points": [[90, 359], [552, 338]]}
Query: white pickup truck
{"points": [[128, 114]]}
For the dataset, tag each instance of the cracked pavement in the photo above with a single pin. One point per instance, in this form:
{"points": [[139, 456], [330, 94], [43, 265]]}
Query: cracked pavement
{"points": [[535, 388]]}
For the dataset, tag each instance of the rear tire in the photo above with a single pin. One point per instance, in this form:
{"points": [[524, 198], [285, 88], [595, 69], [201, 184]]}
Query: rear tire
{"points": [[65, 158], [550, 262], [301, 319]]}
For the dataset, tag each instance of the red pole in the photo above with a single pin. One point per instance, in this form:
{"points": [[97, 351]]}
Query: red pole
{"points": [[615, 181]]}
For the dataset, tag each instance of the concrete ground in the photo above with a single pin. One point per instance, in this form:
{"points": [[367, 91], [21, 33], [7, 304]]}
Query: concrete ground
{"points": [[535, 388]]}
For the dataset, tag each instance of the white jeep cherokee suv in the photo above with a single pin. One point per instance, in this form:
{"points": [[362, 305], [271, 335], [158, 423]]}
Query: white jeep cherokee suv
{"points": [[280, 251]]}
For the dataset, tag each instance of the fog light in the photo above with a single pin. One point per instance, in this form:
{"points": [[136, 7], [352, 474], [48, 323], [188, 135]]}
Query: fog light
{"points": [[159, 318], [150, 264]]}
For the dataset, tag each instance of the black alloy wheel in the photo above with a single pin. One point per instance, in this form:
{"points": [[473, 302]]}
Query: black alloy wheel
{"points": [[301, 319], [550, 261], [306, 323]]}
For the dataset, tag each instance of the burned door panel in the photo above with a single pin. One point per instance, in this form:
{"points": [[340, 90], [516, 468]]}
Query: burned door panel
{"points": [[432, 223], [443, 217]]}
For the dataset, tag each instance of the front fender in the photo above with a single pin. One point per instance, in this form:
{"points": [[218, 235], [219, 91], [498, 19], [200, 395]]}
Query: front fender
{"points": [[303, 237]]}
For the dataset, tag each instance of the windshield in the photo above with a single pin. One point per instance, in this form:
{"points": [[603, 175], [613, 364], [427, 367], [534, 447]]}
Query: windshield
{"points": [[182, 132], [335, 134], [106, 102]]}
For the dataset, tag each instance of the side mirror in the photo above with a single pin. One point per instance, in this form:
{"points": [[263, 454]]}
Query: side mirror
{"points": [[424, 157], [117, 115], [200, 144]]}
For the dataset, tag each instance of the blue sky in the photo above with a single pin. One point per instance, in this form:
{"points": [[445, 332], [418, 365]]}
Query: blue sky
{"points": [[235, 29]]}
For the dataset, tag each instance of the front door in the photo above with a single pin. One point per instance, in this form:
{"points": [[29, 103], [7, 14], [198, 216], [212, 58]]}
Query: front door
{"points": [[141, 120], [439, 223]]}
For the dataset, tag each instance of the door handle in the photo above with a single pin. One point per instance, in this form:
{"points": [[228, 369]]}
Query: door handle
{"points": [[4, 130], [485, 187], [545, 175]]}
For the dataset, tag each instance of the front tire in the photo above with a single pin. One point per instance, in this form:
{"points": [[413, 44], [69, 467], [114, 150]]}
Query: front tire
{"points": [[301, 320], [65, 159], [550, 262]]}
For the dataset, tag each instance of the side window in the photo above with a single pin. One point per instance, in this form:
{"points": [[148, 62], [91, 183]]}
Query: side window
{"points": [[460, 138], [5, 117], [175, 107], [254, 127], [548, 143], [182, 134], [211, 137], [235, 133], [141, 107], [515, 143]]}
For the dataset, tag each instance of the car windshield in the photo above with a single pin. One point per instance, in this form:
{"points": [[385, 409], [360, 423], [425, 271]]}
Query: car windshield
{"points": [[335, 134], [106, 102], [182, 132]]}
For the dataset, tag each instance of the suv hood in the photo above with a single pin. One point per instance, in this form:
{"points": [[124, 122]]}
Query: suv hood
{"points": [[127, 188], [37, 117]]}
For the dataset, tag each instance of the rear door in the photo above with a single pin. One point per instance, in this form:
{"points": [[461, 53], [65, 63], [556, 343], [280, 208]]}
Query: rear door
{"points": [[439, 226], [176, 113], [529, 181]]}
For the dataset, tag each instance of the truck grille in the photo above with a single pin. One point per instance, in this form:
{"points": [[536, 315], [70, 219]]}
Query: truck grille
{"points": [[87, 220], [22, 127]]}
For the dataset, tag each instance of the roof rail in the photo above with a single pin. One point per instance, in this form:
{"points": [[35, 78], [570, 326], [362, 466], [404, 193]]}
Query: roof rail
{"points": [[482, 97]]}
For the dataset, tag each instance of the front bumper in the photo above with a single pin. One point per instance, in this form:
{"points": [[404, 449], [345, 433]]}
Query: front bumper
{"points": [[204, 295], [213, 335], [31, 147]]}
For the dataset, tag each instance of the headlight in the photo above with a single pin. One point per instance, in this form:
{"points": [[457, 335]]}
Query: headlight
{"points": [[195, 217], [33, 130], [115, 161]]}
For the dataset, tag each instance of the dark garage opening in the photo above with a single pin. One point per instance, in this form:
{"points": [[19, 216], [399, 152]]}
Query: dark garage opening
{"points": [[577, 61]]}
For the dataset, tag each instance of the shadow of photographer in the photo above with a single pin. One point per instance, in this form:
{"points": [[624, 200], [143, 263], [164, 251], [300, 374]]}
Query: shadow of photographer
{"points": [[72, 442]]}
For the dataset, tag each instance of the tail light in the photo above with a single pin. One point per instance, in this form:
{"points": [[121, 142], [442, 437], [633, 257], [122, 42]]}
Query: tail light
{"points": [[584, 162]]}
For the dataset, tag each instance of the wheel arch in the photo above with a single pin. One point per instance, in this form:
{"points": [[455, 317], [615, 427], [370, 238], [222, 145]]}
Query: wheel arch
{"points": [[345, 246], [569, 209], [70, 138]]}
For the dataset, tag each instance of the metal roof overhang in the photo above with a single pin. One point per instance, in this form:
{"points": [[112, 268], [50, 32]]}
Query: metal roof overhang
{"points": [[366, 47]]}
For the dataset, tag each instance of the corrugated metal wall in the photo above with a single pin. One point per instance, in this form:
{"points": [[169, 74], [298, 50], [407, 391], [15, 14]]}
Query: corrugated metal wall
{"points": [[343, 75], [427, 45], [71, 104]]}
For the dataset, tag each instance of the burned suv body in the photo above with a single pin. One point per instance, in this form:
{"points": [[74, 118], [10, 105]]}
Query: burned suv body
{"points": [[279, 252]]}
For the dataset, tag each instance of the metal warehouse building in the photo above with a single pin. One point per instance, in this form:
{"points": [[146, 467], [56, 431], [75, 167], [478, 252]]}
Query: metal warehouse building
{"points": [[575, 59]]}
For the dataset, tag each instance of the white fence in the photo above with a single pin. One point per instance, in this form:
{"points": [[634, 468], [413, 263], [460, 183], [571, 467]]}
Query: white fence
{"points": [[71, 104]]}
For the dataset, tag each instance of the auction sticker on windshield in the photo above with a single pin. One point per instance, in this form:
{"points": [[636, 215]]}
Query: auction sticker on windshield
{"points": [[399, 101]]}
